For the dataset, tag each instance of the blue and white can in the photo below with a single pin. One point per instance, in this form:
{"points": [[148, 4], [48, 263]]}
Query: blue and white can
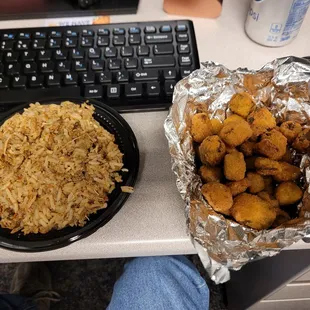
{"points": [[275, 22]]}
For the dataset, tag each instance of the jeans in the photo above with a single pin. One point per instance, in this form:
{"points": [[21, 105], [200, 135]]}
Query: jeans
{"points": [[150, 283]]}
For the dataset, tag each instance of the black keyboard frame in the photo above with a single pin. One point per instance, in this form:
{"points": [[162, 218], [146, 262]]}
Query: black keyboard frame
{"points": [[124, 104]]}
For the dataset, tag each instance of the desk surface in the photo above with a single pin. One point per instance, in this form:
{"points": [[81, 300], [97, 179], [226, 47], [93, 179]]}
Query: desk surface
{"points": [[152, 221]]}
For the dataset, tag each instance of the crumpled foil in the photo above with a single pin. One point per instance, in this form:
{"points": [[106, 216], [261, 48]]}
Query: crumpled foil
{"points": [[284, 87]]}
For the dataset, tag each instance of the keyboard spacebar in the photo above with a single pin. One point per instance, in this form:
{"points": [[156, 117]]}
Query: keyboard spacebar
{"points": [[30, 95]]}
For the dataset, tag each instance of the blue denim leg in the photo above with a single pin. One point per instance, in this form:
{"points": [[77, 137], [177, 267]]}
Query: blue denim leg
{"points": [[15, 302], [160, 283]]}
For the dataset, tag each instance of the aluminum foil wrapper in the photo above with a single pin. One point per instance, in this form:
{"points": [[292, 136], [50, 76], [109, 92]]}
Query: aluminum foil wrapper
{"points": [[284, 87]]}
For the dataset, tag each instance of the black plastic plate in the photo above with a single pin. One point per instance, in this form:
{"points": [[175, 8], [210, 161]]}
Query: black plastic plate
{"points": [[126, 140]]}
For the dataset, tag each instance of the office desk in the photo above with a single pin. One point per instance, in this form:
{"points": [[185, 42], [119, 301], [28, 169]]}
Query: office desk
{"points": [[152, 221]]}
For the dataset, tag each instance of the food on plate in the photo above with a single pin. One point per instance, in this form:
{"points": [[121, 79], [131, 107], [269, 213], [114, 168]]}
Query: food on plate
{"points": [[261, 120], [302, 142], [241, 104], [210, 174], [201, 127], [248, 148], [290, 130], [266, 166], [272, 145], [212, 150], [238, 187], [218, 196], [235, 133], [288, 193], [57, 166], [257, 182], [233, 118], [281, 218], [217, 125], [252, 211], [269, 198], [234, 166], [288, 172]]}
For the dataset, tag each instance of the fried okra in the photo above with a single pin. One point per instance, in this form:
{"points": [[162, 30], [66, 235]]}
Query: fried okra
{"points": [[290, 130], [210, 174], [272, 145], [252, 211], [235, 133], [266, 166], [241, 104], [218, 196], [234, 166], [261, 120], [302, 142], [212, 150], [248, 148], [288, 193], [287, 157], [238, 187], [233, 118], [217, 125], [288, 172], [281, 218], [269, 198], [257, 182], [201, 127], [268, 185]]}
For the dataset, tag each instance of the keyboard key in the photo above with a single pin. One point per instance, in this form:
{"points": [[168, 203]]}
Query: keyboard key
{"points": [[87, 42], [44, 55], [181, 28], [19, 82], [63, 66], [153, 89], [87, 78], [88, 33], [149, 29], [143, 50], [184, 49], [38, 44], [8, 36], [13, 69], [94, 53], [158, 62], [158, 38], [185, 72], [7, 45], [36, 81], [113, 91], [22, 45], [93, 91], [11, 57], [182, 37], [185, 61], [126, 51], [134, 39], [4, 82], [53, 80], [104, 77], [133, 90], [110, 52], [60, 54], [163, 49], [28, 56], [40, 35], [71, 42], [170, 74], [77, 53], [54, 43], [103, 32], [103, 41], [134, 30], [118, 31], [131, 63], [146, 75], [97, 65], [165, 28], [79, 65], [119, 40], [56, 34], [122, 77], [47, 67], [70, 79], [114, 64], [169, 86], [72, 34], [24, 35], [30, 68]]}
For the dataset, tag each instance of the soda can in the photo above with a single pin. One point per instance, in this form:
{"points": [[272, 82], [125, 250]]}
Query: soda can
{"points": [[275, 22]]}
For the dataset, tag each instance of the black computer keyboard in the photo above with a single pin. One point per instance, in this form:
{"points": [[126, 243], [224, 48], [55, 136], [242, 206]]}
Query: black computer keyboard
{"points": [[130, 66]]}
